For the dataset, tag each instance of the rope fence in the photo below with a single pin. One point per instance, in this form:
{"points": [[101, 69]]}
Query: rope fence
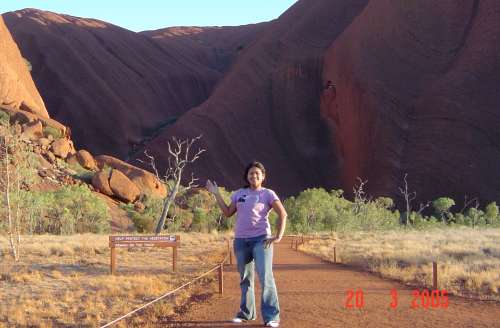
{"points": [[301, 239], [220, 273], [296, 240]]}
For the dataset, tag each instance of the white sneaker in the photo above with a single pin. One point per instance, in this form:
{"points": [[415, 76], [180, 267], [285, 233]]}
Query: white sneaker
{"points": [[273, 323], [238, 320]]}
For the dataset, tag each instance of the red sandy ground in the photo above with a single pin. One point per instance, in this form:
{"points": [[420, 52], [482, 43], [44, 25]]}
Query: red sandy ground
{"points": [[313, 294]]}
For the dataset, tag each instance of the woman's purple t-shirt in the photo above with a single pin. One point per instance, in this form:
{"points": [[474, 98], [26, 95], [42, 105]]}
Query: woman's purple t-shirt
{"points": [[252, 210]]}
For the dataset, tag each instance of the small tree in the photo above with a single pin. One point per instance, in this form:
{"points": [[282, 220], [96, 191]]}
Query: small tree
{"points": [[15, 175], [442, 206], [408, 197], [491, 212], [474, 215], [179, 156]]}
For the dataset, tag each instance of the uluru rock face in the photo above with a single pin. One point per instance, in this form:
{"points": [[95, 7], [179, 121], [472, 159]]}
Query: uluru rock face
{"points": [[214, 47], [267, 106], [17, 89], [112, 86], [417, 93]]}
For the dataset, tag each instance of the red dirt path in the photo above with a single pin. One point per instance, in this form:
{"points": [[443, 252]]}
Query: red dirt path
{"points": [[313, 293]]}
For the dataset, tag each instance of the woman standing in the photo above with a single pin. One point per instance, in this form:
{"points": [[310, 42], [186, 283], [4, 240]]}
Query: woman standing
{"points": [[253, 242]]}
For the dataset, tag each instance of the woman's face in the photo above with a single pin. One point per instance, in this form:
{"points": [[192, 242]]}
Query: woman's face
{"points": [[255, 177]]}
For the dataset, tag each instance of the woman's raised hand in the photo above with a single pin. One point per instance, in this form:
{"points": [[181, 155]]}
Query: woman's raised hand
{"points": [[212, 187]]}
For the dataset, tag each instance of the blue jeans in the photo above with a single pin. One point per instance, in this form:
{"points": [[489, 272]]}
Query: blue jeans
{"points": [[250, 251]]}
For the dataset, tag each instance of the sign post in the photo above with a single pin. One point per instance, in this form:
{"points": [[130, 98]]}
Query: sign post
{"points": [[143, 241]]}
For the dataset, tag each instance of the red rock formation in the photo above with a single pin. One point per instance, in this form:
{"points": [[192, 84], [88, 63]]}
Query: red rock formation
{"points": [[146, 181], [17, 89], [416, 92], [267, 106], [213, 47], [123, 187], [112, 86]]}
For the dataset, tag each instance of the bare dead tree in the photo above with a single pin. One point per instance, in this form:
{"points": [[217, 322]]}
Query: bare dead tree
{"points": [[180, 155], [423, 206], [408, 197], [9, 184], [359, 191], [469, 203], [360, 195]]}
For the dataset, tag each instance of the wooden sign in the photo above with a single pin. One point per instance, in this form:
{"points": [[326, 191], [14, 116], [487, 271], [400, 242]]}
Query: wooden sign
{"points": [[143, 241]]}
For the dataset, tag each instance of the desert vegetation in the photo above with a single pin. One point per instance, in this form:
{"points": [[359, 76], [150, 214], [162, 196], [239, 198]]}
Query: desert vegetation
{"points": [[468, 259], [65, 280], [55, 257], [371, 234]]}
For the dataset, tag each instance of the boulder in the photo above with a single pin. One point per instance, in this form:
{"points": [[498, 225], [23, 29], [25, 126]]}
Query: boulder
{"points": [[100, 181], [147, 182], [62, 147], [44, 143], [86, 160], [23, 117], [32, 131], [123, 187]]}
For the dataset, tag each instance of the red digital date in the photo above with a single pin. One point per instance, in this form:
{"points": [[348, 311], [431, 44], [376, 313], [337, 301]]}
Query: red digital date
{"points": [[355, 299], [429, 299], [424, 299]]}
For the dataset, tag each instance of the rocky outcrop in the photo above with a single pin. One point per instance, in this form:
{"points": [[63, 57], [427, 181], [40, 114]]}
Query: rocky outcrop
{"points": [[86, 160], [147, 182], [94, 75], [17, 89], [123, 187], [62, 147], [100, 181], [267, 106], [421, 98], [415, 93], [23, 117], [32, 131]]}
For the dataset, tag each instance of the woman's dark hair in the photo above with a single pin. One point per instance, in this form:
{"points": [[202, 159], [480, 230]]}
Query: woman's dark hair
{"points": [[256, 164]]}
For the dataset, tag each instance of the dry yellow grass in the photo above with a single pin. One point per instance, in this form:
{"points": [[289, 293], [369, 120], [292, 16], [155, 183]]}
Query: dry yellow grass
{"points": [[65, 281], [468, 259]]}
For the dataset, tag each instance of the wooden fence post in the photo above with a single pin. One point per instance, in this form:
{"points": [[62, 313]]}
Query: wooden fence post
{"points": [[230, 253], [434, 276], [221, 278], [113, 260], [174, 258]]}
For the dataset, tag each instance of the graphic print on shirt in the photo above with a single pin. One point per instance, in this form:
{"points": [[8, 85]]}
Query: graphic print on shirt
{"points": [[250, 203]]}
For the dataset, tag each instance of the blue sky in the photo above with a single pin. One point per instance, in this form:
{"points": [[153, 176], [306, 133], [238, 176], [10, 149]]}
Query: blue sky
{"points": [[140, 15]]}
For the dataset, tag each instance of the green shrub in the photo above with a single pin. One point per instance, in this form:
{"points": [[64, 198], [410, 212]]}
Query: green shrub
{"points": [[82, 173], [4, 117], [49, 130], [442, 206], [491, 213], [145, 221], [317, 210], [69, 210]]}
